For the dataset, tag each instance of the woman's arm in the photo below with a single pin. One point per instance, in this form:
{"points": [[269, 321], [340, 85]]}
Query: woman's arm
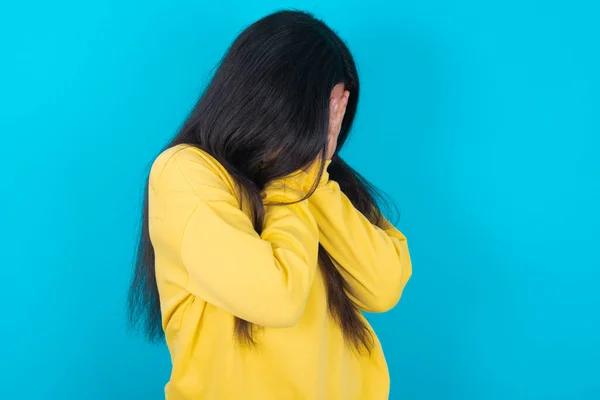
{"points": [[262, 279], [374, 262]]}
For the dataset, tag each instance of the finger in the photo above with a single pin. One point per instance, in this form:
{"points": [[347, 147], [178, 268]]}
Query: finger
{"points": [[334, 106], [343, 103], [331, 146], [333, 118], [340, 116]]}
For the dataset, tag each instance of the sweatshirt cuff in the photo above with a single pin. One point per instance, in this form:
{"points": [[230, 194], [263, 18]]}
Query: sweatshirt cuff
{"points": [[300, 182]]}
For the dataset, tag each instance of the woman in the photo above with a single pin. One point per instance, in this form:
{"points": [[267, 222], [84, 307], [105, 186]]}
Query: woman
{"points": [[260, 246]]}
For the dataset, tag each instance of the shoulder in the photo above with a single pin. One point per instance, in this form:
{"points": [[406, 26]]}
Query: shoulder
{"points": [[186, 166]]}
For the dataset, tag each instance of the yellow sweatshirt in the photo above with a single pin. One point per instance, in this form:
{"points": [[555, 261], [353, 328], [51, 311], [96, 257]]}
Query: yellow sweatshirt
{"points": [[211, 266]]}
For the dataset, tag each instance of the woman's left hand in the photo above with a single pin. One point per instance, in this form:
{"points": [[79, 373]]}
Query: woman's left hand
{"points": [[337, 110]]}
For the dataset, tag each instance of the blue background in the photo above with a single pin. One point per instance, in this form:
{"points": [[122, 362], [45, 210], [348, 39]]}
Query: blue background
{"points": [[480, 119]]}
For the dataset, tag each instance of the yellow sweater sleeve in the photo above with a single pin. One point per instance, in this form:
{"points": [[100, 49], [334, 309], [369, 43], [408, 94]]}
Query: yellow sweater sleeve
{"points": [[374, 262], [264, 279]]}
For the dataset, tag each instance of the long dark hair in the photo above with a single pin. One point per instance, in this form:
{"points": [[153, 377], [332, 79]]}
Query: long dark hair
{"points": [[264, 115]]}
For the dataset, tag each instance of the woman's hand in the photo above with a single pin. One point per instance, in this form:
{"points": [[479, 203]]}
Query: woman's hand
{"points": [[337, 110]]}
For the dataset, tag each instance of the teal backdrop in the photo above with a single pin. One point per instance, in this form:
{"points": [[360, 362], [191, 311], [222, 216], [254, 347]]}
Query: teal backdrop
{"points": [[479, 118]]}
